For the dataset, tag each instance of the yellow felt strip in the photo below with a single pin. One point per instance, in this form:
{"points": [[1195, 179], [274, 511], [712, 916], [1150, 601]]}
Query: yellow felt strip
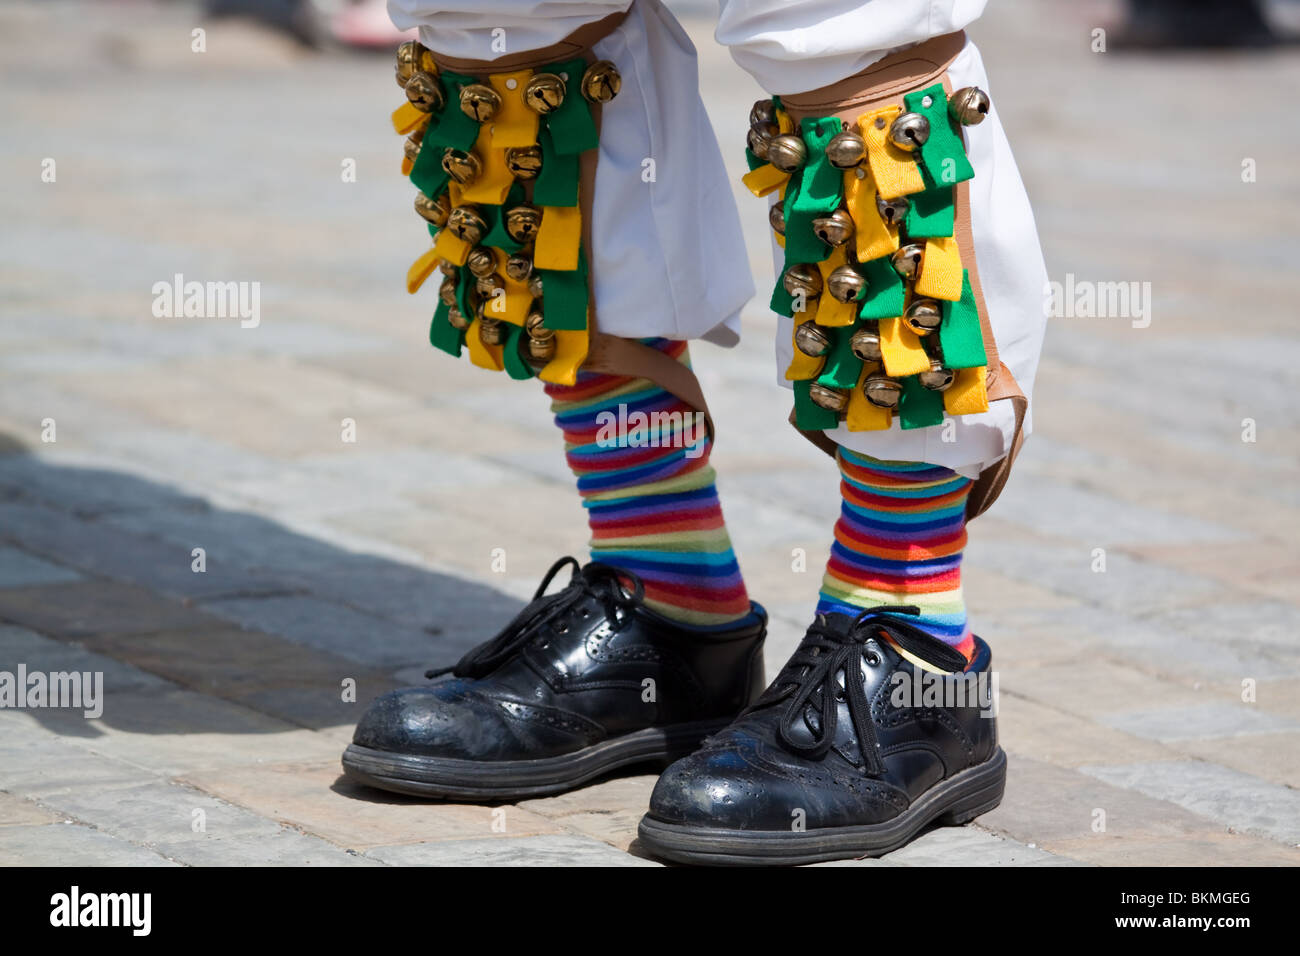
{"points": [[421, 269], [454, 193], [570, 353], [895, 171], [901, 349], [862, 416], [940, 276], [451, 247], [780, 194], [494, 182], [783, 122], [803, 366], [407, 165], [967, 394], [513, 306], [484, 356], [407, 119], [761, 180], [558, 239], [830, 311], [873, 236], [515, 124]]}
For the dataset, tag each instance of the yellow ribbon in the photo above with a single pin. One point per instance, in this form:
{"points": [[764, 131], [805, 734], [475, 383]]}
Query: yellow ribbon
{"points": [[861, 415], [941, 270], [967, 394], [407, 119], [558, 238], [803, 366], [894, 170], [515, 125], [831, 311], [451, 247], [761, 180], [901, 349], [570, 353], [873, 237], [421, 269], [494, 181], [481, 354]]}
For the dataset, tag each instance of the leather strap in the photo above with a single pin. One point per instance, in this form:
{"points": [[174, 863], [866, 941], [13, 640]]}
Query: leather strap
{"points": [[576, 44], [884, 83]]}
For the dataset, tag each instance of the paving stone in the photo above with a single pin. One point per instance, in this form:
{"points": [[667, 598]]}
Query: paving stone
{"points": [[552, 850], [318, 799], [1271, 757], [609, 810], [17, 812], [1208, 849], [1204, 720], [971, 846], [1032, 729], [81, 608], [1241, 801], [57, 844], [17, 644], [18, 569]]}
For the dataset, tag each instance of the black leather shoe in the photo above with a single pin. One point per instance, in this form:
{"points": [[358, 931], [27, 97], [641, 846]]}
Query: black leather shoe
{"points": [[579, 683], [844, 755]]}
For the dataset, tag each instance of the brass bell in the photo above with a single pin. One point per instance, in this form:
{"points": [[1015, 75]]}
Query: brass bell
{"points": [[803, 278], [881, 390], [447, 291], [759, 139], [411, 148], [491, 331], [845, 284], [831, 399], [836, 229], [893, 211], [522, 222], [938, 378], [969, 105], [776, 218], [544, 93], [762, 112], [457, 318], [412, 57], [435, 211], [481, 262], [488, 286], [524, 162], [535, 326], [542, 350], [535, 285], [425, 92], [519, 266], [909, 131], [467, 223], [846, 149], [812, 339], [787, 152], [479, 101], [601, 82], [907, 260], [448, 268], [923, 316], [461, 166], [865, 344]]}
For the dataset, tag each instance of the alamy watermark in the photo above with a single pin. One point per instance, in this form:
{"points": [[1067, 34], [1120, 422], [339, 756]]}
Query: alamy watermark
{"points": [[29, 690], [919, 688], [1085, 299], [179, 299], [637, 429]]}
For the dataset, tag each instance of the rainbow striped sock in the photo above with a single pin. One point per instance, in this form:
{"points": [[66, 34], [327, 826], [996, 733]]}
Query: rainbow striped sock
{"points": [[899, 540], [641, 456]]}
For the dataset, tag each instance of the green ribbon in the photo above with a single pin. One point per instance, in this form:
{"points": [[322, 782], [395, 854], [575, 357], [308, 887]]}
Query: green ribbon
{"points": [[572, 125], [918, 406], [960, 336], [443, 335], [932, 215], [516, 366], [886, 295], [454, 129], [842, 367], [943, 157], [808, 415], [564, 296], [782, 302], [465, 282], [814, 191], [557, 183]]}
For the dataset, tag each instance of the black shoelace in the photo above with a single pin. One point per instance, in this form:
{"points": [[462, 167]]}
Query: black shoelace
{"points": [[598, 580], [809, 679]]}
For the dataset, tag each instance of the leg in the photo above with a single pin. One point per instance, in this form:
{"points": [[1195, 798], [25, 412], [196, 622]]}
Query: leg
{"points": [[529, 173], [915, 374]]}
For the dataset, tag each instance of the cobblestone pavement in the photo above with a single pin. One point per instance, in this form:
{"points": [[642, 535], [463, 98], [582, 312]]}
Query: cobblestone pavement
{"points": [[1156, 696]]}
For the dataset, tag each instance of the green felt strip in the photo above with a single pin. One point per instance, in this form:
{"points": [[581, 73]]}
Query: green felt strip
{"points": [[465, 283], [932, 214], [433, 231], [572, 124], [943, 157], [564, 296], [516, 366], [427, 173], [782, 302], [453, 128], [441, 333], [918, 406], [808, 415], [886, 294], [496, 235], [960, 337], [842, 367], [557, 184], [752, 161], [815, 190]]}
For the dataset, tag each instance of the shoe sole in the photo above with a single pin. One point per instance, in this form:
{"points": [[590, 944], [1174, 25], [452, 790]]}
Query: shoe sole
{"points": [[952, 802], [450, 779]]}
